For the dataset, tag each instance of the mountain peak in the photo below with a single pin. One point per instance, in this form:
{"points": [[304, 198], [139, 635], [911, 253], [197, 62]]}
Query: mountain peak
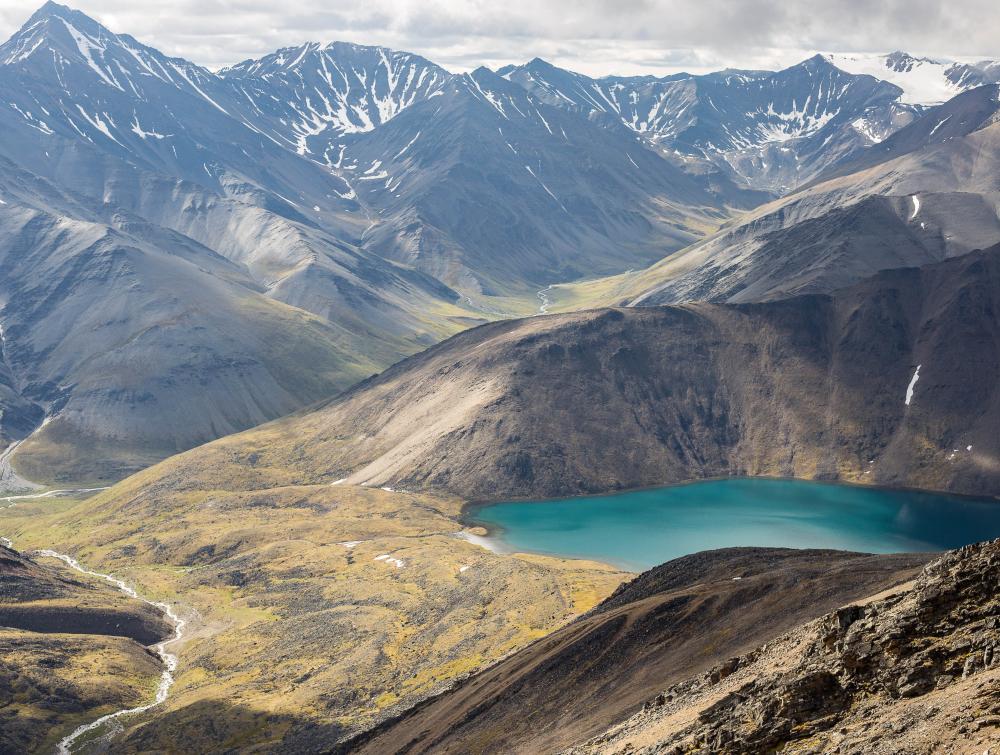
{"points": [[817, 62], [66, 14], [537, 62], [51, 9], [55, 27]]}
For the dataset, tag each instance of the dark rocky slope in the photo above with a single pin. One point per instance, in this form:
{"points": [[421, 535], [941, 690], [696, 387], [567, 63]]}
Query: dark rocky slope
{"points": [[668, 624], [811, 387], [915, 671]]}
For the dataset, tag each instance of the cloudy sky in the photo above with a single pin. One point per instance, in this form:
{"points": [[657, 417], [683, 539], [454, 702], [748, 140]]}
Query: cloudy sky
{"points": [[592, 36]]}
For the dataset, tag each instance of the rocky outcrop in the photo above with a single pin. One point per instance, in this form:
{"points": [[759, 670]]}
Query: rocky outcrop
{"points": [[915, 671]]}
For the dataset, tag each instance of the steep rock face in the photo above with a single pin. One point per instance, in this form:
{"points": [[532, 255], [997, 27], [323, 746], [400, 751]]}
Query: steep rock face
{"points": [[771, 130], [955, 119], [915, 671]]}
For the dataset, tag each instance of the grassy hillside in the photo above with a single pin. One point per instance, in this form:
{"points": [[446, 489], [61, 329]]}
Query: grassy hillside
{"points": [[315, 610]]}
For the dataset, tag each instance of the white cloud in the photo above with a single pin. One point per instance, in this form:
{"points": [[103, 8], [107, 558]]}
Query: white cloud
{"points": [[593, 36]]}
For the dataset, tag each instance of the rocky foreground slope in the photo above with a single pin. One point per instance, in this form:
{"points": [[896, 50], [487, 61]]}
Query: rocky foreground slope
{"points": [[915, 671], [671, 622]]}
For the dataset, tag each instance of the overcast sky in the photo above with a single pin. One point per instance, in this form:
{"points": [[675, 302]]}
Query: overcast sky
{"points": [[592, 36]]}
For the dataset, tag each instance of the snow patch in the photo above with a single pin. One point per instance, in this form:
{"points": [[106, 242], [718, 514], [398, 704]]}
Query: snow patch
{"points": [[913, 382], [143, 134], [923, 83], [397, 562]]}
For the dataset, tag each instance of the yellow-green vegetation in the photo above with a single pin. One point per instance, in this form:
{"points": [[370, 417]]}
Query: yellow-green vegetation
{"points": [[314, 610], [598, 292], [52, 683], [70, 650]]}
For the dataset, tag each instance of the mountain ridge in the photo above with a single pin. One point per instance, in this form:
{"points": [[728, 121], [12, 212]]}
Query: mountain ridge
{"points": [[394, 201]]}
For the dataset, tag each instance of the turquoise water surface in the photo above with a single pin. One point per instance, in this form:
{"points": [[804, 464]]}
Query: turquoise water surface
{"points": [[647, 527]]}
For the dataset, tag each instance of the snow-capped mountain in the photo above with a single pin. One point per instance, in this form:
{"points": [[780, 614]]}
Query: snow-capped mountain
{"points": [[311, 95], [773, 130], [484, 186], [924, 81], [367, 197], [78, 94], [146, 227]]}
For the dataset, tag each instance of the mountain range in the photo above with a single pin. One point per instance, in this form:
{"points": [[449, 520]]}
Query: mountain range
{"points": [[169, 230], [296, 316]]}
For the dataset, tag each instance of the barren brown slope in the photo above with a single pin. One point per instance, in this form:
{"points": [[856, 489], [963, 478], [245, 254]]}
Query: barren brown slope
{"points": [[911, 671], [811, 387], [668, 624]]}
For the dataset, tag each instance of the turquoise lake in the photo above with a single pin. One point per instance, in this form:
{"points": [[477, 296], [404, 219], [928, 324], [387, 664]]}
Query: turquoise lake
{"points": [[644, 528]]}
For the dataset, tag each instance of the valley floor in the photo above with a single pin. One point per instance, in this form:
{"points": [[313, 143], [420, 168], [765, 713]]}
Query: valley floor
{"points": [[314, 611]]}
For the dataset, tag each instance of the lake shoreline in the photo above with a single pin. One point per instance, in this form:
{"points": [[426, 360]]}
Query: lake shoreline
{"points": [[644, 529], [473, 504]]}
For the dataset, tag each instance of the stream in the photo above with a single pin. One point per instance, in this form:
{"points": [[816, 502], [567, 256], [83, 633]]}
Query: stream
{"points": [[169, 660]]}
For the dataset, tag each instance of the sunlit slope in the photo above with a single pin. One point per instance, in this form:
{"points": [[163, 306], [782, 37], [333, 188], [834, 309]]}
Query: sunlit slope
{"points": [[314, 611], [815, 386], [927, 193]]}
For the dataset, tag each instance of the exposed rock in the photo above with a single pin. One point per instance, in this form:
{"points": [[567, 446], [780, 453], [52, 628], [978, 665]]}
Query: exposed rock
{"points": [[909, 672], [686, 617]]}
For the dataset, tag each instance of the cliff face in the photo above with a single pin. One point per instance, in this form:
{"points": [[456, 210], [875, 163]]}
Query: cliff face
{"points": [[913, 671], [822, 387]]}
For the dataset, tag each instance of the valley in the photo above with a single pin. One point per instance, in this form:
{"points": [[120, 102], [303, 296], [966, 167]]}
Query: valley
{"points": [[312, 611], [329, 580], [366, 203], [353, 404], [59, 631]]}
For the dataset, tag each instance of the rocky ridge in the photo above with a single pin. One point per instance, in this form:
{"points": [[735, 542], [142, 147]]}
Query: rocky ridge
{"points": [[912, 671]]}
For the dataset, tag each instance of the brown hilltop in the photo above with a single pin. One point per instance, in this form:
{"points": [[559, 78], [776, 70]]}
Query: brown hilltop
{"points": [[811, 387]]}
